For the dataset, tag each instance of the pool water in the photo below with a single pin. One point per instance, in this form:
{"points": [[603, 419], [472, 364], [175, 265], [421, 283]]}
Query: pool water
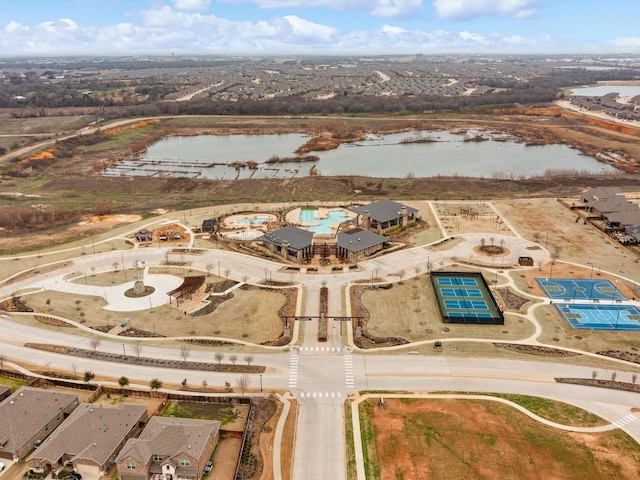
{"points": [[322, 226]]}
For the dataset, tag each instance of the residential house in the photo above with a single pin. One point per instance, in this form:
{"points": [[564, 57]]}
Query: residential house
{"points": [[30, 415], [384, 215], [89, 439], [169, 449]]}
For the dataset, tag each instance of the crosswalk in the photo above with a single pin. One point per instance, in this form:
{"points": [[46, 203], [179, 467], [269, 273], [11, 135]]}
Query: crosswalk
{"points": [[320, 394], [627, 419], [348, 371], [293, 370], [321, 349]]}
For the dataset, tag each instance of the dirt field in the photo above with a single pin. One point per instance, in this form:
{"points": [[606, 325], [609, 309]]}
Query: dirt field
{"points": [[464, 439]]}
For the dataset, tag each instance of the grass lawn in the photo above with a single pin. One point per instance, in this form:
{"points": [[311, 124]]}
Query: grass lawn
{"points": [[454, 439]]}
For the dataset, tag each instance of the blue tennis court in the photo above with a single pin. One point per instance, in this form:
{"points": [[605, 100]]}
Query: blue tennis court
{"points": [[467, 315], [600, 316], [461, 292], [461, 281], [579, 289], [469, 304]]}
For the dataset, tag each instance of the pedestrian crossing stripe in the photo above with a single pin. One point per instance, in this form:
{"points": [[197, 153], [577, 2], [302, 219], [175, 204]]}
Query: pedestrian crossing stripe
{"points": [[320, 394], [625, 420]]}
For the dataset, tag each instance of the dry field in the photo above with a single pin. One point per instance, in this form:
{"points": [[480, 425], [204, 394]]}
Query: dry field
{"points": [[409, 310], [465, 439]]}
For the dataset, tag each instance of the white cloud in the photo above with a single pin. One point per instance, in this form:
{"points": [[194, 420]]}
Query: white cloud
{"points": [[305, 28], [192, 5], [393, 30], [627, 42], [377, 8], [15, 27], [472, 37], [468, 9]]}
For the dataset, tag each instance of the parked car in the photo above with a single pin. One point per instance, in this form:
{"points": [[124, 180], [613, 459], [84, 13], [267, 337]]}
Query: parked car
{"points": [[208, 467], [75, 476], [1, 466]]}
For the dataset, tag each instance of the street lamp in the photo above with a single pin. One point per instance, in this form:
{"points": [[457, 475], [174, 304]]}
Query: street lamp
{"points": [[261, 382]]}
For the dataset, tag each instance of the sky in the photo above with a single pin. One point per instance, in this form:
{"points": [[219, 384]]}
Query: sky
{"points": [[324, 27]]}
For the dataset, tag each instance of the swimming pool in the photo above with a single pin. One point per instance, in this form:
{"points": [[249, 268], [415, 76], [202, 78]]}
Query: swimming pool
{"points": [[322, 226], [254, 220]]}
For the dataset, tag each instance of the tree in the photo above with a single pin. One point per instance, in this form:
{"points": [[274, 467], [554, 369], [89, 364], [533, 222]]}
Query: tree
{"points": [[3, 357], [249, 359], [185, 352], [155, 384], [483, 241], [94, 343], [536, 236], [208, 267], [219, 356], [88, 376], [74, 368], [123, 382], [614, 375], [594, 374], [184, 383], [137, 349], [634, 378], [243, 382], [115, 265], [78, 302], [48, 303], [204, 384], [233, 359]]}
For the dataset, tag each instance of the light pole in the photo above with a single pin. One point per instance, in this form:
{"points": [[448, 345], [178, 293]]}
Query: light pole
{"points": [[261, 382], [218, 267], [124, 353]]}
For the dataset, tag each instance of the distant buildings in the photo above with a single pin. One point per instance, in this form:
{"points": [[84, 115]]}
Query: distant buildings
{"points": [[621, 218]]}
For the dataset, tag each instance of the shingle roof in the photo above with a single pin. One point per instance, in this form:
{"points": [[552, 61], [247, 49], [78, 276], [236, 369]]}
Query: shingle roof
{"points": [[384, 210], [26, 411], [357, 239], [298, 238], [168, 436], [91, 432]]}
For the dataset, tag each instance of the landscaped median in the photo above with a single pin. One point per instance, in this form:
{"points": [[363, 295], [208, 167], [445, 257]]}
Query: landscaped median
{"points": [[452, 436]]}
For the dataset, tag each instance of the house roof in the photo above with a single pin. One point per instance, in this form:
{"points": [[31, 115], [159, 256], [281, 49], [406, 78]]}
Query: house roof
{"points": [[169, 436], [384, 210], [24, 413], [599, 193], [357, 239], [210, 222], [91, 432], [298, 238]]}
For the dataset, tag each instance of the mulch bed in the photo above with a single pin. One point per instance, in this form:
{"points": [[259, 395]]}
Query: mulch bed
{"points": [[592, 382], [536, 350]]}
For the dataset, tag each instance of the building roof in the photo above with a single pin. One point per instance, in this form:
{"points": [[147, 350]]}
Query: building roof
{"points": [[599, 193], [357, 239], [298, 238], [91, 432], [384, 210], [209, 222], [169, 436], [24, 413]]}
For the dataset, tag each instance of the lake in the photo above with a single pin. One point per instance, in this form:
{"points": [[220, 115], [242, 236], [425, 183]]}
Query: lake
{"points": [[447, 154], [601, 90]]}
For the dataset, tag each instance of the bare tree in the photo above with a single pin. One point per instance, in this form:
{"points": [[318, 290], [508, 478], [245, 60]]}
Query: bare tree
{"points": [[594, 374], [185, 352], [219, 356], [74, 368], [402, 274], [614, 375], [233, 359], [78, 302], [483, 241], [243, 383], [204, 384], [208, 267], [492, 240], [137, 349], [249, 359], [537, 236], [115, 265], [48, 303], [94, 343], [634, 378], [3, 357]]}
